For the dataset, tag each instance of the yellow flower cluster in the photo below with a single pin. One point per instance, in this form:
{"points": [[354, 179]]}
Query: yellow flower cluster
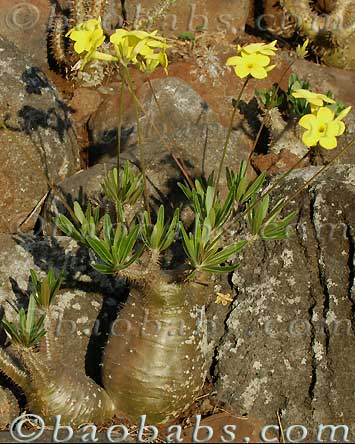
{"points": [[144, 50], [254, 60], [223, 299], [322, 126], [88, 37]]}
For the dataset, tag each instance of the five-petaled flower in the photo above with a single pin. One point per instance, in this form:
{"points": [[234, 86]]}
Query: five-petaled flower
{"points": [[316, 100], [223, 299], [267, 49], [146, 50], [88, 37], [253, 60], [323, 127], [255, 65]]}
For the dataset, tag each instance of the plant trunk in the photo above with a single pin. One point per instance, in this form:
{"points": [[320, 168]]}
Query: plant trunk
{"points": [[155, 359]]}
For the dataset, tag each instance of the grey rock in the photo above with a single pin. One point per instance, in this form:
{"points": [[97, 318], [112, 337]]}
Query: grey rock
{"points": [[40, 141], [179, 103], [289, 337]]}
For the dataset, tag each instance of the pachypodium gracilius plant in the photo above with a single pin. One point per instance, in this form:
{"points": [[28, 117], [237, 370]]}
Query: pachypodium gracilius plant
{"points": [[155, 362], [332, 32]]}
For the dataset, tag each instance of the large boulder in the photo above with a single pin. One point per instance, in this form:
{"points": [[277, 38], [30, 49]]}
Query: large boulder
{"points": [[39, 142], [289, 337], [189, 126]]}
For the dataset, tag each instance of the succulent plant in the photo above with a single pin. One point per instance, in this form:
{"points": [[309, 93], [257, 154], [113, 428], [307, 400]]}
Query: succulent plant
{"points": [[9, 408], [332, 34], [155, 361]]}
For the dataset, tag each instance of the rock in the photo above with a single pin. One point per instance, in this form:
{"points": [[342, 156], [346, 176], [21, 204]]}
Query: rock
{"points": [[85, 102], [177, 100], [187, 119], [275, 163], [190, 16], [19, 20], [40, 141], [289, 334]]}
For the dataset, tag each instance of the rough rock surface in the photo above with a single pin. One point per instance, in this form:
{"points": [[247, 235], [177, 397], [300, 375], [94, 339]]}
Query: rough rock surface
{"points": [[19, 20], [39, 121], [187, 15], [289, 336], [185, 117], [179, 103]]}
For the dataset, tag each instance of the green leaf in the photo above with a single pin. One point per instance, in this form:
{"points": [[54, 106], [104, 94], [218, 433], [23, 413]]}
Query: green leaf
{"points": [[31, 311], [227, 252], [107, 229], [220, 269], [34, 280], [79, 212], [100, 248], [64, 224], [104, 269]]}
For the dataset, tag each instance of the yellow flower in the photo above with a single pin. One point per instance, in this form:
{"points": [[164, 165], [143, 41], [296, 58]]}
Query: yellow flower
{"points": [[88, 36], [267, 49], [223, 299], [323, 128], [147, 50], [301, 51], [255, 65], [314, 99]]}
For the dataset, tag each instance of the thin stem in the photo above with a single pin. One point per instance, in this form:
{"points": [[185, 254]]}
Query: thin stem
{"points": [[163, 141], [50, 184], [229, 133], [289, 66], [140, 141], [171, 138], [119, 134], [305, 185]]}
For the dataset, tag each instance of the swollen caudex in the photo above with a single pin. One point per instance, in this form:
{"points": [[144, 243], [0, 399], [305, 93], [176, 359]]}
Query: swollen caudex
{"points": [[148, 369]]}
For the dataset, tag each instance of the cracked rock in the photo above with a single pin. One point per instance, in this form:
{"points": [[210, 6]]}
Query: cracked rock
{"points": [[289, 340]]}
